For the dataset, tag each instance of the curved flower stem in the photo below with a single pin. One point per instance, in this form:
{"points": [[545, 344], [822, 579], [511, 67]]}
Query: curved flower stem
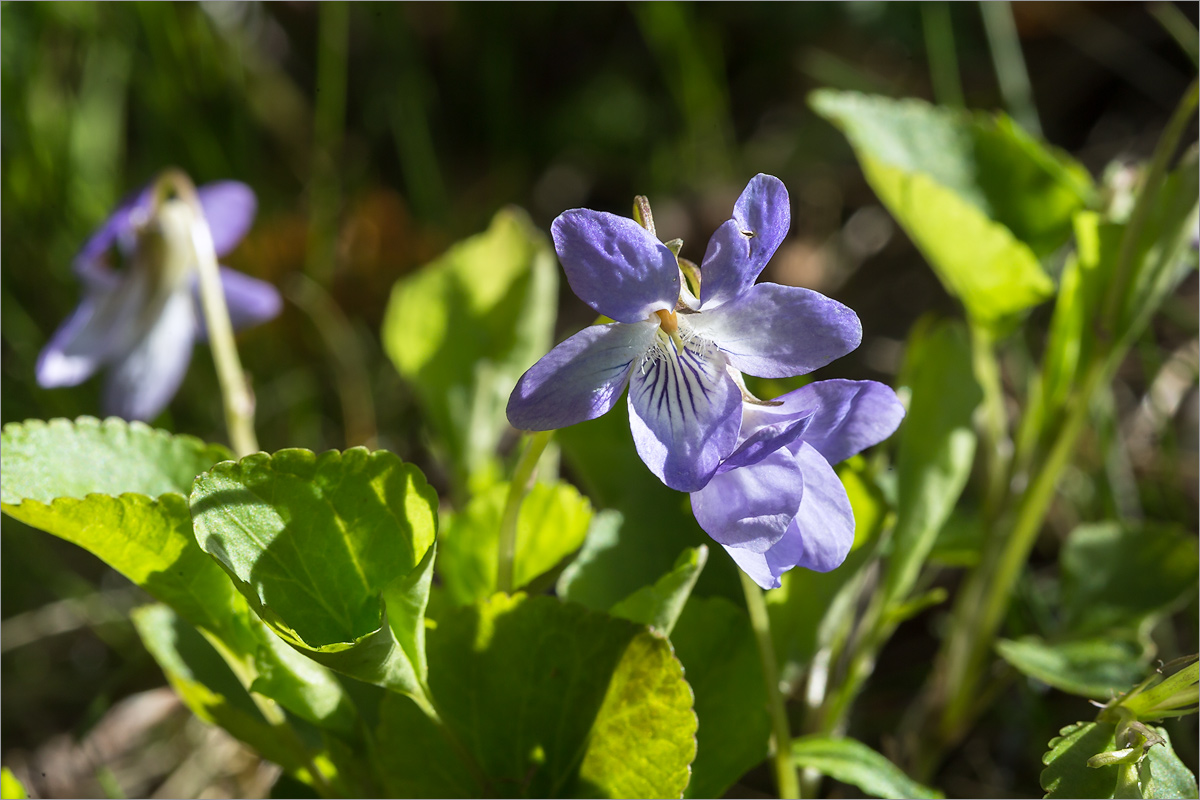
{"points": [[239, 402], [786, 779], [517, 490]]}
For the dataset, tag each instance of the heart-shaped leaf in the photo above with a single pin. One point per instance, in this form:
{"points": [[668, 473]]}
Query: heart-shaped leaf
{"points": [[333, 551]]}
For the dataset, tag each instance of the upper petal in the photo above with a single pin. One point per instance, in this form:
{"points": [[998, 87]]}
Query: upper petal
{"points": [[751, 507], [118, 229], [144, 379], [229, 208], [615, 265], [684, 412], [580, 379], [775, 331], [849, 416], [741, 247], [825, 520]]}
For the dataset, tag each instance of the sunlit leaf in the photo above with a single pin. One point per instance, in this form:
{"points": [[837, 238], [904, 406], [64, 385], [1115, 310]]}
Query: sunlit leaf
{"points": [[1169, 776], [656, 523], [207, 686], [850, 761], [543, 699], [463, 328], [980, 198], [10, 786], [1096, 668], [553, 522], [320, 546], [61, 458]]}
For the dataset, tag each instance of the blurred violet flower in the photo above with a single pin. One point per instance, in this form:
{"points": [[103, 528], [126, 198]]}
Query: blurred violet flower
{"points": [[681, 356], [775, 502], [142, 319]]}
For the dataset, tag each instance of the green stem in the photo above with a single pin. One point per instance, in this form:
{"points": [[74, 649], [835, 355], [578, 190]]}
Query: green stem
{"points": [[512, 508], [943, 60], [997, 447], [238, 401], [1168, 143], [786, 779], [1011, 73], [984, 600]]}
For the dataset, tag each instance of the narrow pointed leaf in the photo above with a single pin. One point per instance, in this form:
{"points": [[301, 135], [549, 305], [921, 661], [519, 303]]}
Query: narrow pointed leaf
{"points": [[852, 762], [660, 605]]}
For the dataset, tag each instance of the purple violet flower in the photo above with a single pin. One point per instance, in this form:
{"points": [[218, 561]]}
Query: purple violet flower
{"points": [[775, 502], [681, 356], [142, 320]]}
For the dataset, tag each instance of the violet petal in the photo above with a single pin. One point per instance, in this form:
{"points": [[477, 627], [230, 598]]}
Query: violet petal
{"points": [[741, 248], [774, 331], [615, 265], [751, 507], [580, 379], [684, 412]]}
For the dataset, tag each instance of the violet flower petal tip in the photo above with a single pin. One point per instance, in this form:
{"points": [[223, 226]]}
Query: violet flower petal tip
{"points": [[825, 519], [848, 416], [581, 378], [774, 331], [742, 247], [229, 208], [750, 508], [615, 265]]}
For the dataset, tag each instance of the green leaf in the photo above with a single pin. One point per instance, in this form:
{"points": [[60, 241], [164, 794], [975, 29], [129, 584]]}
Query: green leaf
{"points": [[1115, 575], [1096, 668], [463, 328], [150, 541], [55, 477], [644, 736], [320, 546], [1169, 776], [1067, 774], [660, 605], [302, 686], [207, 686], [1172, 696], [980, 198], [10, 787], [936, 447], [552, 525], [656, 523], [543, 699], [61, 458], [850, 761], [716, 646]]}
